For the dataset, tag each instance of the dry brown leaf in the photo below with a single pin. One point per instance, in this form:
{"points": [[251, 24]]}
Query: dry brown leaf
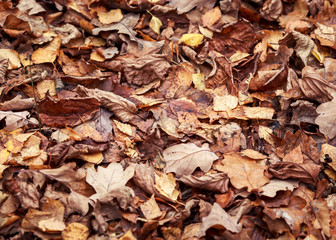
{"points": [[219, 219], [211, 17], [124, 109], [75, 231], [307, 172], [75, 180], [326, 119], [321, 211], [271, 10], [217, 182], [49, 53], [18, 103], [186, 6], [49, 219], [243, 172], [112, 16], [151, 209], [183, 159], [275, 185], [71, 111]]}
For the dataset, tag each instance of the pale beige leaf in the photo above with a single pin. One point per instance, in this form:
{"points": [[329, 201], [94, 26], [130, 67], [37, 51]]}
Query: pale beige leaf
{"points": [[105, 180], [12, 56], [183, 159], [219, 217], [275, 185], [151, 209], [327, 118]]}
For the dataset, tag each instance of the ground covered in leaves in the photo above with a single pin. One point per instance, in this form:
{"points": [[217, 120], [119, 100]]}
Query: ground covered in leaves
{"points": [[156, 119]]}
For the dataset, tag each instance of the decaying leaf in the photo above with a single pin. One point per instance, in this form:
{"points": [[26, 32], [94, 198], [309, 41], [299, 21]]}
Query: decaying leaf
{"points": [[183, 159]]}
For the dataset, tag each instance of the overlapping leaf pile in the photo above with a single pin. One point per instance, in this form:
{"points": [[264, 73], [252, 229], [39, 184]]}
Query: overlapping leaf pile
{"points": [[157, 119]]}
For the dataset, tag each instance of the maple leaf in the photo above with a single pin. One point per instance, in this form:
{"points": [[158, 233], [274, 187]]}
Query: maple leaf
{"points": [[104, 180], [184, 158]]}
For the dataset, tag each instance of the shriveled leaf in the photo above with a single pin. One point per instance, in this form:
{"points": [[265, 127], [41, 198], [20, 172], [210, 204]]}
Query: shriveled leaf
{"points": [[307, 172], [183, 159], [61, 112], [124, 109], [217, 182]]}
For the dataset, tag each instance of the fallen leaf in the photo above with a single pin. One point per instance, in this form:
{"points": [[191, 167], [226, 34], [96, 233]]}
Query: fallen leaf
{"points": [[275, 185], [217, 182], [243, 172], [155, 24], [151, 209], [104, 180], [47, 54], [75, 231], [183, 159], [326, 119], [49, 219], [211, 17], [12, 56], [191, 39], [219, 219], [112, 16]]}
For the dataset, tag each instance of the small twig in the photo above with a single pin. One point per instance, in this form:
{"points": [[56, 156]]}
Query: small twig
{"points": [[36, 105]]}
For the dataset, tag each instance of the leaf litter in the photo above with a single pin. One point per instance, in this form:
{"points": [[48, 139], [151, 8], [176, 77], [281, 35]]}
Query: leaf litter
{"points": [[167, 119]]}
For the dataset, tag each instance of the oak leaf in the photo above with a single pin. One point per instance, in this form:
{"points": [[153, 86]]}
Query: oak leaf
{"points": [[183, 159]]}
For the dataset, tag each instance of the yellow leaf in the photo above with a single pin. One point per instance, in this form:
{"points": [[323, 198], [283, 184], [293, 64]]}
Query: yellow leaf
{"points": [[75, 231], [192, 39], [155, 24], [199, 81], [96, 57], [48, 53], [46, 86]]}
